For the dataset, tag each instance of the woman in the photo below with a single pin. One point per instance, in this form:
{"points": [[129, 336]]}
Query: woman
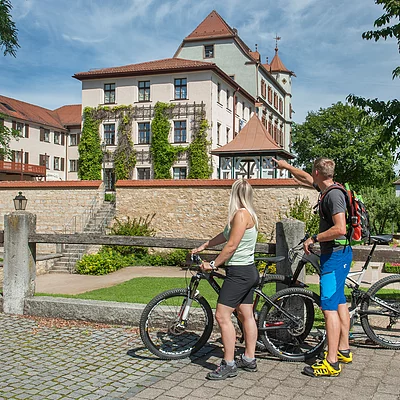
{"points": [[240, 235]]}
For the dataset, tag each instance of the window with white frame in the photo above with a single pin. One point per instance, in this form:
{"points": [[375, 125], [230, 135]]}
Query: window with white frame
{"points": [[56, 163], [44, 135], [228, 99], [180, 172], [74, 139], [19, 126], [16, 156], [109, 134], [209, 51], [218, 92], [218, 133], [57, 137], [144, 91], [73, 165], [44, 160], [180, 88], [179, 131], [109, 93], [144, 132], [143, 173]]}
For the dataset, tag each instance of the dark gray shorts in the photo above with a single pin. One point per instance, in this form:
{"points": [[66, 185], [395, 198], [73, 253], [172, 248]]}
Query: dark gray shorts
{"points": [[239, 284]]}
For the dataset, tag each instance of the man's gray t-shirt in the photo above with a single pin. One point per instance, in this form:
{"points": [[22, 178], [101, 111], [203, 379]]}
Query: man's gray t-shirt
{"points": [[334, 202]]}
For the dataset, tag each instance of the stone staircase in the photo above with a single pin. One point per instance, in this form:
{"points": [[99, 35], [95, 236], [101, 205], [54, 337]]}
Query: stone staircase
{"points": [[72, 253]]}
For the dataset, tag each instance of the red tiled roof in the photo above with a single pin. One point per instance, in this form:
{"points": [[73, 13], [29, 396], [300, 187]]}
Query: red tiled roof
{"points": [[277, 65], [165, 65], [52, 184], [213, 26], [202, 182], [253, 138], [70, 114], [29, 112]]}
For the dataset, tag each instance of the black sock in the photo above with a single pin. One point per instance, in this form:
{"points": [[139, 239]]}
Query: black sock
{"points": [[346, 353]]}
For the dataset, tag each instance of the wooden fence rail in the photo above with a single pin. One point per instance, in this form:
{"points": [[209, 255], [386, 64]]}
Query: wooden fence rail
{"points": [[360, 253], [382, 253]]}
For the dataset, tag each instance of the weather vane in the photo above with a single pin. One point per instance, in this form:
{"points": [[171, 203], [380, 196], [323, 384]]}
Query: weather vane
{"points": [[276, 41]]}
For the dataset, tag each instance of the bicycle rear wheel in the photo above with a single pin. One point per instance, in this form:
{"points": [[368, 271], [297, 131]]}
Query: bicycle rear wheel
{"points": [[380, 312], [293, 328], [165, 334]]}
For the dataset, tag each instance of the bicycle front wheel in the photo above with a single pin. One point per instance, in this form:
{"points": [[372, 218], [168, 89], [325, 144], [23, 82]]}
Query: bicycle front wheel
{"points": [[292, 327], [380, 312], [169, 336]]}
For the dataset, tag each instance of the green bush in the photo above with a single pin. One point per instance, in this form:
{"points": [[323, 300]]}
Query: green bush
{"points": [[109, 197], [392, 268], [173, 258], [100, 264], [302, 210], [132, 227]]}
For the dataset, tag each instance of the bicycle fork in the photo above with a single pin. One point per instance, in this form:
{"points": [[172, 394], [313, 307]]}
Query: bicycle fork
{"points": [[183, 314]]}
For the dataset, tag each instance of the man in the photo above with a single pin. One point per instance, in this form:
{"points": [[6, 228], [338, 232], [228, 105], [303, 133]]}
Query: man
{"points": [[335, 264]]}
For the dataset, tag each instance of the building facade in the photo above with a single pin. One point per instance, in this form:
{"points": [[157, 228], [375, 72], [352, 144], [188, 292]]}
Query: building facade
{"points": [[198, 90], [213, 76], [43, 150]]}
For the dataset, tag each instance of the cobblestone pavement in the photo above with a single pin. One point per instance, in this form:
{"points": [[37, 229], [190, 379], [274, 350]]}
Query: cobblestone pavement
{"points": [[43, 359]]}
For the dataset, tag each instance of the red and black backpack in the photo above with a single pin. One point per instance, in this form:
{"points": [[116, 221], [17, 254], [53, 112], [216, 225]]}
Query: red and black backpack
{"points": [[357, 219]]}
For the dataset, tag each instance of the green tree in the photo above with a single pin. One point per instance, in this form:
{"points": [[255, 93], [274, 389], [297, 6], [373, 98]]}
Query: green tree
{"points": [[340, 133], [384, 209], [8, 31], [90, 154], [387, 113], [6, 134]]}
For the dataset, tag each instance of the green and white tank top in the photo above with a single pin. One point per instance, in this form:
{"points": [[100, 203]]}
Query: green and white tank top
{"points": [[244, 254]]}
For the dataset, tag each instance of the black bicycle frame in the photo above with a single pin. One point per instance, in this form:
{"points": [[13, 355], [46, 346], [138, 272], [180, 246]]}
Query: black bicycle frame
{"points": [[195, 280]]}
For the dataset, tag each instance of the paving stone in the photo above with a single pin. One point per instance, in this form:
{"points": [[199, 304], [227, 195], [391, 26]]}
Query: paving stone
{"points": [[86, 362]]}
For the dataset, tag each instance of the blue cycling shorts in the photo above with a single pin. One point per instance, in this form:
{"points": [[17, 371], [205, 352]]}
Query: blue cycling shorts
{"points": [[334, 269]]}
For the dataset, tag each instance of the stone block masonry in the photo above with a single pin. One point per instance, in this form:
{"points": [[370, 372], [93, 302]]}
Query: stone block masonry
{"points": [[198, 208], [55, 203]]}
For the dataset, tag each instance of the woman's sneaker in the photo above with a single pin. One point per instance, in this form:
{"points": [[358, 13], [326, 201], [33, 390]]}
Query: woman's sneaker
{"points": [[222, 372], [250, 366], [323, 368], [345, 357]]}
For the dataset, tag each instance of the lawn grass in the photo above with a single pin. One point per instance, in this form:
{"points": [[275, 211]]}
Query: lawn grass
{"points": [[142, 290]]}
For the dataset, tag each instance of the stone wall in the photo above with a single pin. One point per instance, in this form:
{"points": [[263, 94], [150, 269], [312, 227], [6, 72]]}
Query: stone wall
{"points": [[198, 208], [58, 205]]}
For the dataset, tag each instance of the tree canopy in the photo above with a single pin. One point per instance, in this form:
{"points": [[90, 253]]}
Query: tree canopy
{"points": [[8, 31], [340, 133], [6, 134], [387, 113]]}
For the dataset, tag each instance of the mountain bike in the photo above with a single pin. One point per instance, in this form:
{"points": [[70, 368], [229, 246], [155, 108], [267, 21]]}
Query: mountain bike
{"points": [[377, 308], [178, 322]]}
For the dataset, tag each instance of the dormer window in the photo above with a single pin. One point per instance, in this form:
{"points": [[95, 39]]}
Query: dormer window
{"points": [[209, 51]]}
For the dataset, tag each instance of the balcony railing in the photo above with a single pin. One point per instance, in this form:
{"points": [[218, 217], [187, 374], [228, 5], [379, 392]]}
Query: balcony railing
{"points": [[21, 168]]}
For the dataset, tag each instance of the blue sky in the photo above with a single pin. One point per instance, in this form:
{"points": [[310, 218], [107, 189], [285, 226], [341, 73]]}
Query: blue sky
{"points": [[321, 42]]}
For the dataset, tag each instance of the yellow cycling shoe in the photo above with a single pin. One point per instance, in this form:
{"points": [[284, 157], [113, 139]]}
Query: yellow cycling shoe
{"points": [[322, 368], [343, 358]]}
